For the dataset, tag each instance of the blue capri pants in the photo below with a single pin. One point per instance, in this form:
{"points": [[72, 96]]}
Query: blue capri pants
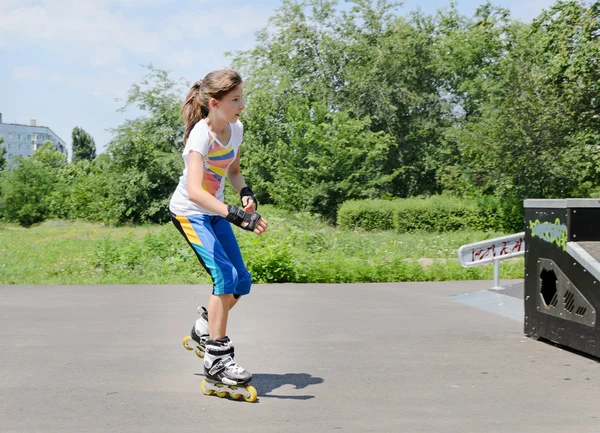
{"points": [[212, 239]]}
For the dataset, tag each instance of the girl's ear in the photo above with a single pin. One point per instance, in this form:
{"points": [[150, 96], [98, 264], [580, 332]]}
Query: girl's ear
{"points": [[213, 103]]}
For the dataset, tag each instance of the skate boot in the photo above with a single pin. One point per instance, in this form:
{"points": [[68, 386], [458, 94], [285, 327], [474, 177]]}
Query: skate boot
{"points": [[198, 337], [223, 375]]}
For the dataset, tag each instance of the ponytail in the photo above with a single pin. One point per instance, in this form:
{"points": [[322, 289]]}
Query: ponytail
{"points": [[192, 109]]}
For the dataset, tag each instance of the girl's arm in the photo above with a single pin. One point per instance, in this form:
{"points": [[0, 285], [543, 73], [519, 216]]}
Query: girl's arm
{"points": [[236, 178], [196, 192]]}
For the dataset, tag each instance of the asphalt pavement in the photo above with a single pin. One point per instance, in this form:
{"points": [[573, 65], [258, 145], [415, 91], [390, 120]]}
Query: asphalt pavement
{"points": [[397, 357]]}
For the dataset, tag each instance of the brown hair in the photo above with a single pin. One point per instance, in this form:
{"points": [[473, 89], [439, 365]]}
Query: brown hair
{"points": [[216, 85]]}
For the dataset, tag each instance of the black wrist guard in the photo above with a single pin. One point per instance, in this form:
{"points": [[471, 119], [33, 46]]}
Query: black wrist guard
{"points": [[247, 192], [237, 216]]}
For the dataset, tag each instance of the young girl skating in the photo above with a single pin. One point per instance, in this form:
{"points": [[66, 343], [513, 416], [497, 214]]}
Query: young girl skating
{"points": [[213, 134]]}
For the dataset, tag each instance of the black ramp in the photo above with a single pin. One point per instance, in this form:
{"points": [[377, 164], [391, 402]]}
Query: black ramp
{"points": [[562, 290]]}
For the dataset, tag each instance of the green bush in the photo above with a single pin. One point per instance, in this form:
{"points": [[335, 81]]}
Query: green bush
{"points": [[367, 214], [297, 248], [433, 214]]}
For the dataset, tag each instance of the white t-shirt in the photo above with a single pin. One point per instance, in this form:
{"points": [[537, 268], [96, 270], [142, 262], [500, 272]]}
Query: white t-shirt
{"points": [[217, 158]]}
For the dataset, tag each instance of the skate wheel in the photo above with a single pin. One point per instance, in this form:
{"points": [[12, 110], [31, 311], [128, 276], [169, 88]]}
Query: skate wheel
{"points": [[235, 396], [197, 350], [185, 342], [253, 394], [222, 394], [204, 390]]}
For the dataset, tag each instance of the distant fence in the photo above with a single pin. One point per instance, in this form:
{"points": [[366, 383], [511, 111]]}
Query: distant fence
{"points": [[492, 251]]}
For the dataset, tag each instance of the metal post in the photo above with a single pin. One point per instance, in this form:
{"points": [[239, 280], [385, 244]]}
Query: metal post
{"points": [[492, 251], [497, 274]]}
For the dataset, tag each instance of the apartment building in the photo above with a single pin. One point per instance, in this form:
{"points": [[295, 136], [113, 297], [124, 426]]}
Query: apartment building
{"points": [[23, 140]]}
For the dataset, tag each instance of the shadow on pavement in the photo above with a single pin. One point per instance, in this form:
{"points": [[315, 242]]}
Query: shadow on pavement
{"points": [[266, 383]]}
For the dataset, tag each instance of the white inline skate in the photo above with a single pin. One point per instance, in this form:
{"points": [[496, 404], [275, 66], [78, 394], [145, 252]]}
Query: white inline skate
{"points": [[223, 375], [199, 335]]}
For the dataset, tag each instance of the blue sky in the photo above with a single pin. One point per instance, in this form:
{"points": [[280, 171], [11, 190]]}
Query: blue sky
{"points": [[65, 62]]}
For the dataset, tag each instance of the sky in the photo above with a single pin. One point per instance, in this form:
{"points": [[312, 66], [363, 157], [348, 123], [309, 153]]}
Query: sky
{"points": [[69, 63]]}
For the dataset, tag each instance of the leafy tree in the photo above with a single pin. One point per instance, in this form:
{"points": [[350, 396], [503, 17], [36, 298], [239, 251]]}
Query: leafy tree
{"points": [[84, 191], [3, 161], [327, 158], [28, 188], [145, 160], [49, 156], [538, 133], [83, 145], [365, 63]]}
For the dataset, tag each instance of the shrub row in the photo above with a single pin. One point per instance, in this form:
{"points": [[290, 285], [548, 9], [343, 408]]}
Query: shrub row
{"points": [[433, 214]]}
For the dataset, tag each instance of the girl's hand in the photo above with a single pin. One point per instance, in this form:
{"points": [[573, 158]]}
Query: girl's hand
{"points": [[249, 204], [261, 226], [251, 222]]}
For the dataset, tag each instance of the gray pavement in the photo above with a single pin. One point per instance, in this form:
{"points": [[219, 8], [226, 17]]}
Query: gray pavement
{"points": [[402, 357]]}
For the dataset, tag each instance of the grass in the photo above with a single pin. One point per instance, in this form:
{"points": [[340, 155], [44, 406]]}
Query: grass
{"points": [[296, 248]]}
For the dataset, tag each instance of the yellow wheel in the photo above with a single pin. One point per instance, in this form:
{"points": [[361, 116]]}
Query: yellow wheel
{"points": [[222, 394], [253, 394], [236, 396], [199, 354], [204, 390], [185, 342]]}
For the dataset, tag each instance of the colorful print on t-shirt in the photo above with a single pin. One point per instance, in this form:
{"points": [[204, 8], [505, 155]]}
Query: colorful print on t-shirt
{"points": [[216, 163]]}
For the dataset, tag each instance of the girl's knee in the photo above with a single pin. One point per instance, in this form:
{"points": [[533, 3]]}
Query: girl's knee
{"points": [[230, 280], [244, 277], [244, 284]]}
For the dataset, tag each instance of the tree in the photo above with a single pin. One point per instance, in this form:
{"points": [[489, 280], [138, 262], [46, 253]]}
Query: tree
{"points": [[145, 159], [27, 189], [326, 158], [3, 161], [539, 131], [83, 145], [365, 65]]}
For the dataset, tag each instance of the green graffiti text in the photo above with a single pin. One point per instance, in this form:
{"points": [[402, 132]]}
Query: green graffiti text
{"points": [[554, 233]]}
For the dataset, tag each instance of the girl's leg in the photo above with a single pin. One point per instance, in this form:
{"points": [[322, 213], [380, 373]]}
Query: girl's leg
{"points": [[218, 313], [198, 231], [233, 301], [219, 306], [224, 233]]}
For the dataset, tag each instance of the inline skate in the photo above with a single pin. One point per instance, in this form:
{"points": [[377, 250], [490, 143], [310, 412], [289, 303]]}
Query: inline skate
{"points": [[199, 334], [223, 375]]}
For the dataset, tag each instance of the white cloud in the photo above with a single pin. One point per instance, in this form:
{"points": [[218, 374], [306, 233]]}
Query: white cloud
{"points": [[28, 72], [80, 29], [106, 55], [221, 22], [102, 33]]}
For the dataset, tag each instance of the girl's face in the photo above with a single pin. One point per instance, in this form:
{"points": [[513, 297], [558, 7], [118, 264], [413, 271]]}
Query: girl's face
{"points": [[231, 105]]}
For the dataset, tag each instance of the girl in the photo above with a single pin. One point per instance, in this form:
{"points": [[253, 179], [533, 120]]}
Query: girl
{"points": [[213, 134]]}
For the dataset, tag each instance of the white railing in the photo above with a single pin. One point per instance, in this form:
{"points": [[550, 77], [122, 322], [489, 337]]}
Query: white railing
{"points": [[492, 251]]}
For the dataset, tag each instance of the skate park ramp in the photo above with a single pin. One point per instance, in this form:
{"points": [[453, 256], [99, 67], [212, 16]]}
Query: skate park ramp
{"points": [[394, 357], [506, 301], [587, 254]]}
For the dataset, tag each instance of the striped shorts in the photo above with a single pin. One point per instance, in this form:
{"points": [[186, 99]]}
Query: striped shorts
{"points": [[212, 239]]}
